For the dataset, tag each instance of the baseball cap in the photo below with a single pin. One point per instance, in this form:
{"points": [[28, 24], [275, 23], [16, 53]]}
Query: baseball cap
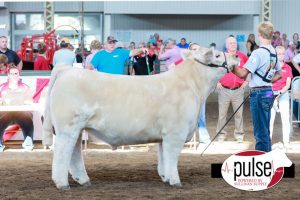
{"points": [[111, 39], [66, 40], [291, 43]]}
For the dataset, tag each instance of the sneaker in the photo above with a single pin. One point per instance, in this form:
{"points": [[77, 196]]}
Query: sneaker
{"points": [[2, 147], [221, 137], [28, 144], [239, 137]]}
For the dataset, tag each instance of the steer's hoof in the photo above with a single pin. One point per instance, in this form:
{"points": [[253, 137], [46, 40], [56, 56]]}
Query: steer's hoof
{"points": [[178, 185], [63, 188], [86, 184]]}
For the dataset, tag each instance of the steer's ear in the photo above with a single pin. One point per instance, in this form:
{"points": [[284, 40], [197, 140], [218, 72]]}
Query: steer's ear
{"points": [[185, 53], [208, 56]]}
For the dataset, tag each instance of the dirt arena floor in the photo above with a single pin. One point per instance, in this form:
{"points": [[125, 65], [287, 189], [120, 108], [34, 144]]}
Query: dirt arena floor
{"points": [[132, 174]]}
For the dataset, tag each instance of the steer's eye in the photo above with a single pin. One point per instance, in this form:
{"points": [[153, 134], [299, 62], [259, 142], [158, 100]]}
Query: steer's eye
{"points": [[217, 56]]}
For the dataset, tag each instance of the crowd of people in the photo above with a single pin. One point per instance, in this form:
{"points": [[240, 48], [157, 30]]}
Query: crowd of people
{"points": [[267, 68]]}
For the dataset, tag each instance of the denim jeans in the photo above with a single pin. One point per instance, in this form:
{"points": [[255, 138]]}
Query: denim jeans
{"points": [[204, 136], [261, 102]]}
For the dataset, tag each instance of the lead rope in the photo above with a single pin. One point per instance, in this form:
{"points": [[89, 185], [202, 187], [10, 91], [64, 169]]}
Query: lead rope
{"points": [[226, 123]]}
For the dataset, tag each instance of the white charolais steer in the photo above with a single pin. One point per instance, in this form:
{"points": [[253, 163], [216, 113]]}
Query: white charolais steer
{"points": [[126, 110]]}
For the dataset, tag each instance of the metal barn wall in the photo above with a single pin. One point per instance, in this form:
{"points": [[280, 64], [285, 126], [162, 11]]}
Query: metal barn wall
{"points": [[285, 16], [202, 29], [58, 6], [224, 7]]}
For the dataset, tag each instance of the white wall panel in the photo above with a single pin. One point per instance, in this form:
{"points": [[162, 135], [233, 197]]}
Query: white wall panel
{"points": [[203, 29], [285, 16], [241, 7]]}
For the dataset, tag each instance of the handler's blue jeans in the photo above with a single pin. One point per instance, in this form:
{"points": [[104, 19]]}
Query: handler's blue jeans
{"points": [[261, 102], [203, 133]]}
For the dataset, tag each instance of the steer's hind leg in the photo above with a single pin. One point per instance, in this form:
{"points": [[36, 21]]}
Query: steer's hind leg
{"points": [[77, 168], [171, 149], [160, 166], [64, 147]]}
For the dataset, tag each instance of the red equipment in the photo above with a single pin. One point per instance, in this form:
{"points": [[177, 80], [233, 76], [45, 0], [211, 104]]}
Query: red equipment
{"points": [[28, 45]]}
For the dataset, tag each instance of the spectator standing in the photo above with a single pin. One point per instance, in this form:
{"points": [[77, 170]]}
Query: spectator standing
{"points": [[183, 44], [10, 54], [289, 53], [142, 63], [64, 54], [264, 69], [95, 47], [171, 53], [276, 40], [231, 91], [251, 44], [296, 41], [14, 92], [285, 41], [112, 60], [281, 102], [41, 62]]}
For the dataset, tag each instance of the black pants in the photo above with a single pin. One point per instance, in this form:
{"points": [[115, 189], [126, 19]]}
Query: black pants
{"points": [[23, 119]]}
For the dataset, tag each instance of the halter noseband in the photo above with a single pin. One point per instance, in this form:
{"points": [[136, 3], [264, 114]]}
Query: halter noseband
{"points": [[224, 65]]}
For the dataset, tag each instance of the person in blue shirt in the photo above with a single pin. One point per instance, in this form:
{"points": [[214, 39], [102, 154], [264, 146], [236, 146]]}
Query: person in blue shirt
{"points": [[112, 60], [183, 44]]}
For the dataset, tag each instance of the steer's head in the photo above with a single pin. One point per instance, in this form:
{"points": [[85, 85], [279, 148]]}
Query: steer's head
{"points": [[212, 58]]}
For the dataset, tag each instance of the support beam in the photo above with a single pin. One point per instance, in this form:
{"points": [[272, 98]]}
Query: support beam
{"points": [[48, 16], [266, 13], [107, 26]]}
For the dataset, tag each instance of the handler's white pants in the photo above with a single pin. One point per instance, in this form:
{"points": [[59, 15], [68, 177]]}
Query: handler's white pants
{"points": [[284, 109]]}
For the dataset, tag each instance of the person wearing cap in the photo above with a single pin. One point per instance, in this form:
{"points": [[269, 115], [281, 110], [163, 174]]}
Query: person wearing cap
{"points": [[112, 60], [95, 46], [12, 56], [64, 54], [183, 44], [289, 53]]}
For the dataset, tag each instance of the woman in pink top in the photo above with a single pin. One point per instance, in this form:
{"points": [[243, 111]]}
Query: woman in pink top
{"points": [[281, 102]]}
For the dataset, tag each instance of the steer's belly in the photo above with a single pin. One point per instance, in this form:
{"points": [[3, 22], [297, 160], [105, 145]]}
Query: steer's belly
{"points": [[123, 138]]}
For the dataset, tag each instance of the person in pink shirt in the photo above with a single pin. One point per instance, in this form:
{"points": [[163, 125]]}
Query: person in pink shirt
{"points": [[289, 53], [14, 92], [231, 91], [281, 102], [171, 53]]}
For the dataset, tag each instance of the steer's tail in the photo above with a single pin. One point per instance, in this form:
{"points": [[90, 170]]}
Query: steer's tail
{"points": [[47, 125]]}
